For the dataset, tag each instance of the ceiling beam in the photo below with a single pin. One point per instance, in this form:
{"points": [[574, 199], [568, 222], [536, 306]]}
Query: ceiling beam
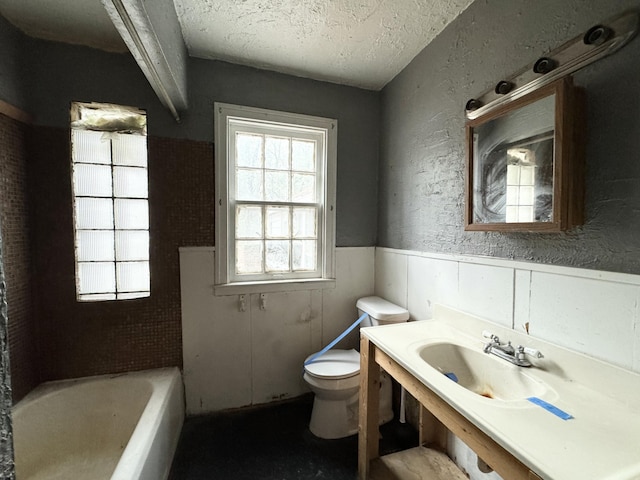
{"points": [[151, 30]]}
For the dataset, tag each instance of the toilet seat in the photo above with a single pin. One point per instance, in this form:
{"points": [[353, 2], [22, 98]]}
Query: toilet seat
{"points": [[335, 364]]}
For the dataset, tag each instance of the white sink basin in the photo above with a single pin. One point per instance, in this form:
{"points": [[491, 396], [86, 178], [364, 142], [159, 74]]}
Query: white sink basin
{"points": [[481, 373]]}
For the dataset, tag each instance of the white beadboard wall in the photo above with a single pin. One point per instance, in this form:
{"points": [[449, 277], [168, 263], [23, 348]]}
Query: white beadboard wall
{"points": [[590, 311], [593, 312], [232, 359]]}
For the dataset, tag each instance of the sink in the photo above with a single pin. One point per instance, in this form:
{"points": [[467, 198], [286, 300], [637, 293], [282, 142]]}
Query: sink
{"points": [[481, 373], [602, 398]]}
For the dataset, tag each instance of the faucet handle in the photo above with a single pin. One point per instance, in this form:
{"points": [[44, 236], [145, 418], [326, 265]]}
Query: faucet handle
{"points": [[488, 334], [529, 351], [533, 352]]}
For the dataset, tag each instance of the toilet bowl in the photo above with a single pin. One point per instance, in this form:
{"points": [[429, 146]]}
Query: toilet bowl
{"points": [[334, 378]]}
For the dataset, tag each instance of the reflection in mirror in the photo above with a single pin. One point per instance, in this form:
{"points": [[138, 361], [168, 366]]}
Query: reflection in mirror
{"points": [[513, 156], [530, 180], [521, 165]]}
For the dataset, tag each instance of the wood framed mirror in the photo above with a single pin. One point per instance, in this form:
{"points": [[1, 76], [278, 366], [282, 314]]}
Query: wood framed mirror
{"points": [[525, 163]]}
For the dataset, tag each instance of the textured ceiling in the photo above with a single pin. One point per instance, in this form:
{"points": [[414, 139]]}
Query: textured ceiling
{"points": [[364, 43], [357, 42], [83, 22]]}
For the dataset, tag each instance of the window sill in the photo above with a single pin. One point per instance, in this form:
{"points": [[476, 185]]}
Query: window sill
{"points": [[273, 286]]}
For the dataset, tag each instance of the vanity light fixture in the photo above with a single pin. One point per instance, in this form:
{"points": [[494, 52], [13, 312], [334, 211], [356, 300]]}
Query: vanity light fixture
{"points": [[599, 41]]}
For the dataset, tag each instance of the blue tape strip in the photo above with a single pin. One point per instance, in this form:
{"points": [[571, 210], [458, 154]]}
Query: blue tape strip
{"points": [[550, 408], [451, 376], [340, 337]]}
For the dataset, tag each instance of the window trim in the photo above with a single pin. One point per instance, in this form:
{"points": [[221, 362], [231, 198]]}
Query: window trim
{"points": [[223, 112]]}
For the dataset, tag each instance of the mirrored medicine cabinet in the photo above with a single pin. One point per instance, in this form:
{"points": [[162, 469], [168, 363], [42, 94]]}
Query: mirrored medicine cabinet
{"points": [[525, 163]]}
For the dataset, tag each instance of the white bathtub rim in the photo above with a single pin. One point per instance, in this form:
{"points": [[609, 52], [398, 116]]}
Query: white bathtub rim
{"points": [[54, 386], [132, 461], [166, 384]]}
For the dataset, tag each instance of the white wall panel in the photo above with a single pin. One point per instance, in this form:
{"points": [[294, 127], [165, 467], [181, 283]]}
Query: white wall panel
{"points": [[225, 359], [216, 340], [354, 280], [487, 291], [391, 276], [588, 315], [280, 341], [232, 358], [430, 281], [521, 299], [315, 320], [463, 455]]}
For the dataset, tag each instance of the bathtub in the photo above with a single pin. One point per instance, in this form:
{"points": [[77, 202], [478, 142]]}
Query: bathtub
{"points": [[118, 427]]}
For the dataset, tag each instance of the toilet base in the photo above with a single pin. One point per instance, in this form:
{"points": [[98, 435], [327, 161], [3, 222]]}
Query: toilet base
{"points": [[331, 419]]}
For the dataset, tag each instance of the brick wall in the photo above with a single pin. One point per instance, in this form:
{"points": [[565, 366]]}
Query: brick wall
{"points": [[14, 213]]}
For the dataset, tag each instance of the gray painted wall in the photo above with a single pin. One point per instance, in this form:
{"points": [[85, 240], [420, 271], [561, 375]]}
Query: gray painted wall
{"points": [[59, 74], [11, 90], [422, 156]]}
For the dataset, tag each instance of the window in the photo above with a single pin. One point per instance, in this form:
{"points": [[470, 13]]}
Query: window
{"points": [[520, 200], [275, 181], [110, 202], [529, 181]]}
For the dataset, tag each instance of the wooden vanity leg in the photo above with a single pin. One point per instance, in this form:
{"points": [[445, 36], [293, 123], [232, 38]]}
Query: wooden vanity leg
{"points": [[432, 433], [368, 436]]}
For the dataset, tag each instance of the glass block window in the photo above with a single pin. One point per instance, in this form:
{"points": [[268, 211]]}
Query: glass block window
{"points": [[275, 219], [110, 202], [520, 200]]}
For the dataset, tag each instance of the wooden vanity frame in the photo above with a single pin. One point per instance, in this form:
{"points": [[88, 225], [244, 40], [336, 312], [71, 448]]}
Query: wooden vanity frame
{"points": [[437, 417]]}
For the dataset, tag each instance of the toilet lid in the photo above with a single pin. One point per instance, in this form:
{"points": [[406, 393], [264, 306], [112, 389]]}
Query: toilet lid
{"points": [[335, 364]]}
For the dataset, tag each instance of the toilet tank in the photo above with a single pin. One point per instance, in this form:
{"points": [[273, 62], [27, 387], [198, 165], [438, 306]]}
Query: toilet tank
{"points": [[380, 311]]}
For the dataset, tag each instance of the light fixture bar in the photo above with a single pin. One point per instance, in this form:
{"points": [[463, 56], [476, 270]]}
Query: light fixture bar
{"points": [[597, 42]]}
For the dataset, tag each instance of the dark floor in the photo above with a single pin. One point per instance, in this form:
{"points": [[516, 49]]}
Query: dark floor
{"points": [[272, 443]]}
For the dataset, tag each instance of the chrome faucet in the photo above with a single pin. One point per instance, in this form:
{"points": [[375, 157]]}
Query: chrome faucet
{"points": [[506, 351]]}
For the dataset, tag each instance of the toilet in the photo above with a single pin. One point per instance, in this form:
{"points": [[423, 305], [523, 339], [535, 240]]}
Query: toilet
{"points": [[334, 378]]}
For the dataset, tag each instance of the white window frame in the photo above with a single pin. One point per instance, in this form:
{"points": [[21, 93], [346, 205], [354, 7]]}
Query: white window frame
{"points": [[226, 116]]}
